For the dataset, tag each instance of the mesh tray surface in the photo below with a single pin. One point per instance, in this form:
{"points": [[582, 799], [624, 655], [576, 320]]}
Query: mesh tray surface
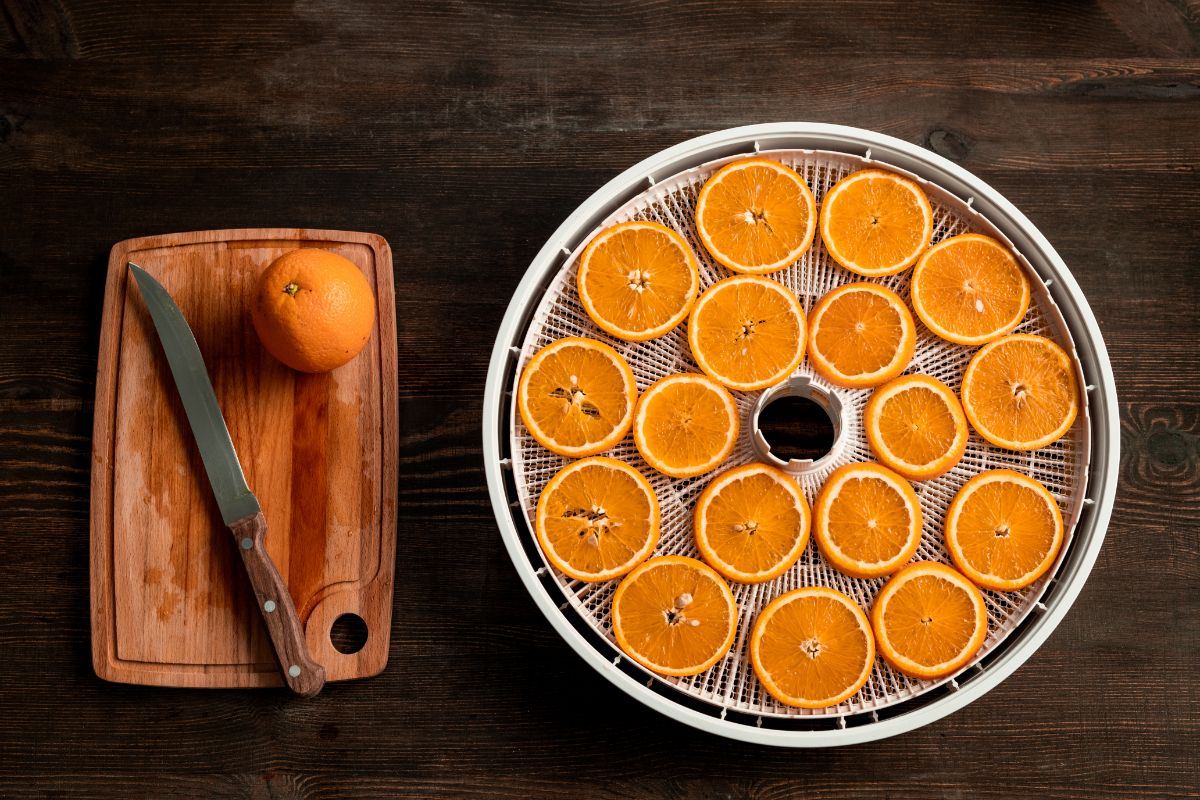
{"points": [[731, 684]]}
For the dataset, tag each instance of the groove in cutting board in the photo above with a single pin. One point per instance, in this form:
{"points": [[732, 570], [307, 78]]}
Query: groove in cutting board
{"points": [[170, 603]]}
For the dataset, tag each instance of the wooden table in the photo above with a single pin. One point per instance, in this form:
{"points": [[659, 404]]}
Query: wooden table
{"points": [[465, 134]]}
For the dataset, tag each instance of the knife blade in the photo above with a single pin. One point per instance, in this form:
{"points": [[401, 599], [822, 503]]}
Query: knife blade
{"points": [[240, 509]]}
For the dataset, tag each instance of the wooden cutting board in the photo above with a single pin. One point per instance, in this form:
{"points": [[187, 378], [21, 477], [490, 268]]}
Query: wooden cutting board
{"points": [[171, 605]]}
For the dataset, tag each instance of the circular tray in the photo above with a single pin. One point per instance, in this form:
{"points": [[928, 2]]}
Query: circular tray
{"points": [[729, 696]]}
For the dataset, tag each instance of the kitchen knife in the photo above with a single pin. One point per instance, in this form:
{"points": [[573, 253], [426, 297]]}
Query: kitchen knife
{"points": [[239, 507]]}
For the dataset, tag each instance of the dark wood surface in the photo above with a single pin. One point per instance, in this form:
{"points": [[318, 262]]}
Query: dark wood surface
{"points": [[465, 134]]}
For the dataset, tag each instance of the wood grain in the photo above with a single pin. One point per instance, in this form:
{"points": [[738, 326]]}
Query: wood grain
{"points": [[465, 133], [171, 604]]}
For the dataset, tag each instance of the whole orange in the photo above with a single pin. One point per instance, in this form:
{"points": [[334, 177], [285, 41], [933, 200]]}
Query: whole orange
{"points": [[313, 310]]}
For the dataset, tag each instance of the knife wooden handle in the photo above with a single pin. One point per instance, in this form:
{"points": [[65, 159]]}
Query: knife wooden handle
{"points": [[303, 676]]}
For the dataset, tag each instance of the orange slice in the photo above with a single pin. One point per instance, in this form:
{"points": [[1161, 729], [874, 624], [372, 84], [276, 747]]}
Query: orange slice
{"points": [[674, 615], [812, 647], [576, 397], [637, 280], [861, 335], [685, 425], [1019, 392], [747, 332], [969, 289], [929, 620], [597, 518], [916, 426], [756, 215], [752, 523], [1003, 530], [867, 520], [875, 222]]}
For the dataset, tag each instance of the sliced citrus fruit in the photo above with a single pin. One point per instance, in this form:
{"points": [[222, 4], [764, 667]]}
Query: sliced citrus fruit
{"points": [[637, 280], [861, 335], [916, 426], [1019, 392], [969, 289], [747, 332], [674, 615], [875, 222], [752, 523], [812, 647], [867, 520], [576, 397], [756, 215], [685, 425], [1003, 530], [597, 518], [929, 620]]}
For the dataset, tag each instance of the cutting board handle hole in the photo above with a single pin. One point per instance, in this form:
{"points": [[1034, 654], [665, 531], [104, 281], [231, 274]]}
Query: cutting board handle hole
{"points": [[348, 634]]}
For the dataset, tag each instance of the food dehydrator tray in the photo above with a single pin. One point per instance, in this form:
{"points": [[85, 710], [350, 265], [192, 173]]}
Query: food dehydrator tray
{"points": [[1079, 469]]}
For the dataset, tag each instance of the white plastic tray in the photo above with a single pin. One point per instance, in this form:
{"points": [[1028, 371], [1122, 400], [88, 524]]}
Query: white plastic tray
{"points": [[727, 699]]}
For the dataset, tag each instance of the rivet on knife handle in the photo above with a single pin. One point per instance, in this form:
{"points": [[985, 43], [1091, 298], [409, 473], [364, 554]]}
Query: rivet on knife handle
{"points": [[304, 676]]}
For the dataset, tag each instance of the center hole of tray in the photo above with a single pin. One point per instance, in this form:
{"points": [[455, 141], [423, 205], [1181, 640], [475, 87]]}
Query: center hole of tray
{"points": [[797, 425], [796, 428]]}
